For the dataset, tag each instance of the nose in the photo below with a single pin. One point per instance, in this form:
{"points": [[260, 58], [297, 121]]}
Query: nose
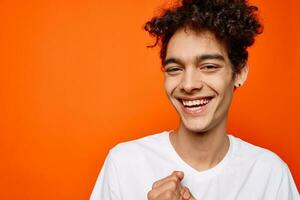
{"points": [[191, 81]]}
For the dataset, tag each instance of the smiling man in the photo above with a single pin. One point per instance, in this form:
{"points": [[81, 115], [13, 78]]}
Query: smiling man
{"points": [[204, 56]]}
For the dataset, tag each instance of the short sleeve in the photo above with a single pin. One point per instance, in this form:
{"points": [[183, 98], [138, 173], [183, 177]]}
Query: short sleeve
{"points": [[287, 188], [107, 186]]}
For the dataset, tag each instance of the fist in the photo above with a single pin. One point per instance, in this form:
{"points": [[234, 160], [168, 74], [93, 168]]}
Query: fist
{"points": [[170, 188]]}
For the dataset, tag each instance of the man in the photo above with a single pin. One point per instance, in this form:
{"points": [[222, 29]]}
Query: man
{"points": [[204, 57]]}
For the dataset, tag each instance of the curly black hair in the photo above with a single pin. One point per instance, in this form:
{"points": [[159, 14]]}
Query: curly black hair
{"points": [[233, 21]]}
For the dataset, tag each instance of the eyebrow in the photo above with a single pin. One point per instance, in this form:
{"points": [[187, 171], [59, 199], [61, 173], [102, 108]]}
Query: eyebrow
{"points": [[199, 58]]}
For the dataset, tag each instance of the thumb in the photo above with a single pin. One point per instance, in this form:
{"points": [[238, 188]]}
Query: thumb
{"points": [[179, 174]]}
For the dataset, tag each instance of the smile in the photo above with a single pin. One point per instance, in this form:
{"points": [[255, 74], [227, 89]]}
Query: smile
{"points": [[195, 107]]}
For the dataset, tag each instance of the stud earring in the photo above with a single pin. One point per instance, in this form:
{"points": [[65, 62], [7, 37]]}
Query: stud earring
{"points": [[238, 85]]}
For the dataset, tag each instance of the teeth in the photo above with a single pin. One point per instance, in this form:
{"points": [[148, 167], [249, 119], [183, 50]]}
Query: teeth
{"points": [[195, 102], [193, 108]]}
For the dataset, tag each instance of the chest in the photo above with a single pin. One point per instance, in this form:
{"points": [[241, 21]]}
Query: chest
{"points": [[228, 184]]}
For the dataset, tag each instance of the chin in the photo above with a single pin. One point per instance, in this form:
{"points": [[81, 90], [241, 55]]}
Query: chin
{"points": [[195, 126]]}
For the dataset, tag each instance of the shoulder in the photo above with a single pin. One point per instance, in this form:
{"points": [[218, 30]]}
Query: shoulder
{"points": [[139, 147], [264, 169], [245, 151], [258, 160]]}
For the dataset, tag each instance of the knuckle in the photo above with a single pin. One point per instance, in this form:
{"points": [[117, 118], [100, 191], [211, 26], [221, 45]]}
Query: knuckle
{"points": [[150, 195], [169, 195], [174, 177], [187, 189], [173, 185], [154, 185]]}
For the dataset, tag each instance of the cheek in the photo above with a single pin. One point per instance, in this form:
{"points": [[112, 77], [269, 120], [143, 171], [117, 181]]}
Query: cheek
{"points": [[221, 83], [170, 84], [220, 87]]}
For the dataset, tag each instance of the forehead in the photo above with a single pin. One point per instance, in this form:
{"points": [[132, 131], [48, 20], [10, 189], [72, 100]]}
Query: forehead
{"points": [[186, 44]]}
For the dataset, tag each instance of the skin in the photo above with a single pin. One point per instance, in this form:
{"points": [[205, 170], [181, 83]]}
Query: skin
{"points": [[197, 65], [170, 188]]}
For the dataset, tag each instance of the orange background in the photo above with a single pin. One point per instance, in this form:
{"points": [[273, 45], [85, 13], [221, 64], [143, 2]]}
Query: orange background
{"points": [[76, 78]]}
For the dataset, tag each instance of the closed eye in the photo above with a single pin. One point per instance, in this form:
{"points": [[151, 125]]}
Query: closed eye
{"points": [[173, 70], [210, 68]]}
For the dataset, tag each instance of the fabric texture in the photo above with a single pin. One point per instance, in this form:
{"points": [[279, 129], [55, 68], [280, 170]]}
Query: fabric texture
{"points": [[247, 172]]}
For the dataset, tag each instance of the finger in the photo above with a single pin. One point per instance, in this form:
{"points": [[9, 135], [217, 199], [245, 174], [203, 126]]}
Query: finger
{"points": [[175, 176], [168, 187], [182, 191], [179, 174], [168, 195], [186, 194]]}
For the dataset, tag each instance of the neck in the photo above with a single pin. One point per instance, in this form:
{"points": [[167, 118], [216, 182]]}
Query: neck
{"points": [[201, 150]]}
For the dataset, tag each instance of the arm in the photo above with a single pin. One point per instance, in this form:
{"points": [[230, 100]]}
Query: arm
{"points": [[107, 187], [287, 188]]}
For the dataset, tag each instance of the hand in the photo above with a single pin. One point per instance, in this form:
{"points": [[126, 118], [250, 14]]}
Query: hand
{"points": [[170, 188]]}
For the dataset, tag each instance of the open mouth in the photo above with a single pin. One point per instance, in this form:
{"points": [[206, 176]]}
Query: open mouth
{"points": [[195, 106]]}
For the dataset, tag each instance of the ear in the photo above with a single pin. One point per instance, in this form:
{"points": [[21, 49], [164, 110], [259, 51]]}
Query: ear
{"points": [[241, 77]]}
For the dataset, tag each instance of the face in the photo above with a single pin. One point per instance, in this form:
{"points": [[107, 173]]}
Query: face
{"points": [[198, 79]]}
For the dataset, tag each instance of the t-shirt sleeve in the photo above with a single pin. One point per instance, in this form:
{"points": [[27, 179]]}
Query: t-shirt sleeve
{"points": [[287, 188], [107, 186]]}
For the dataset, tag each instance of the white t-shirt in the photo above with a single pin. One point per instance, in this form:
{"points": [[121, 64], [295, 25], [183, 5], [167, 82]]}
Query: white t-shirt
{"points": [[247, 172]]}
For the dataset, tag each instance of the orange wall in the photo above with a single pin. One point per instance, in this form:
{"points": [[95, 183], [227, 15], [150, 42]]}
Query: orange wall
{"points": [[76, 79]]}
